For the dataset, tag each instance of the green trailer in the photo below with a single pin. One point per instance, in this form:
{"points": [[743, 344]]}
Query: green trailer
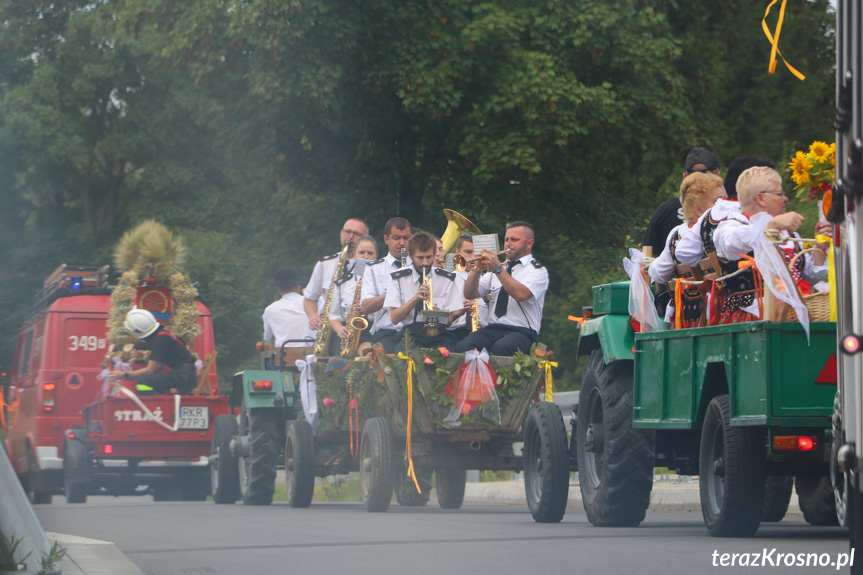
{"points": [[746, 407]]}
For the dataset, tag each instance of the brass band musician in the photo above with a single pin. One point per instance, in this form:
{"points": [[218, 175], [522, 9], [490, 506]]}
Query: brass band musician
{"points": [[464, 320], [322, 275], [418, 284], [517, 293], [376, 282], [343, 301]]}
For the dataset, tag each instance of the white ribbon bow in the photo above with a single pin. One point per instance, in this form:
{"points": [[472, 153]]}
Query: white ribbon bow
{"points": [[308, 389], [640, 297], [477, 367]]}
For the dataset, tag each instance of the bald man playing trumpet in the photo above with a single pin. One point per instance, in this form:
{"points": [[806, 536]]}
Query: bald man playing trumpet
{"points": [[516, 291]]}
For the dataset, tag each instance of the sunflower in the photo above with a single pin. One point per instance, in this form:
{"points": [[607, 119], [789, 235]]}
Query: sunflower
{"points": [[819, 150], [800, 166], [831, 155]]}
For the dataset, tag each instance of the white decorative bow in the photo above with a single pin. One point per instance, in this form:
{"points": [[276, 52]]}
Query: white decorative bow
{"points": [[308, 389]]}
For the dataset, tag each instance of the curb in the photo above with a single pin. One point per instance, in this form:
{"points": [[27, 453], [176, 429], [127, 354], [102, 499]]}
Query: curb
{"points": [[93, 557], [666, 496]]}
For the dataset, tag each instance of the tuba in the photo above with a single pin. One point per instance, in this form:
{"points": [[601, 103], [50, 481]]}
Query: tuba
{"points": [[456, 225]]}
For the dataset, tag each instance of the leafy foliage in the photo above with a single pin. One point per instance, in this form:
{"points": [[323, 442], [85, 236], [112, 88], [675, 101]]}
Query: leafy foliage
{"points": [[254, 129]]}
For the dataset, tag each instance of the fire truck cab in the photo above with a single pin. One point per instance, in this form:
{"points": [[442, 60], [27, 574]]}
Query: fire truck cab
{"points": [[55, 373]]}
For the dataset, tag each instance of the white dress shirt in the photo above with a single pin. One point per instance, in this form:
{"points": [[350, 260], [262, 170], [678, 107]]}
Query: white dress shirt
{"points": [[322, 277], [527, 313], [286, 319], [376, 281], [405, 285]]}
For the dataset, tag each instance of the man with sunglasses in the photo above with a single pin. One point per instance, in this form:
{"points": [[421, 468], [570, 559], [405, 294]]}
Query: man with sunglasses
{"points": [[322, 275]]}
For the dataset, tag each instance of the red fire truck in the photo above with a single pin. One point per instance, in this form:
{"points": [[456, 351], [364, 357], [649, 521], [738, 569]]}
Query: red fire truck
{"points": [[68, 434]]}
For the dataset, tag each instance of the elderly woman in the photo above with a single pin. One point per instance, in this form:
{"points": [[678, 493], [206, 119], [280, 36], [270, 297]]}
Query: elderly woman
{"points": [[698, 193], [762, 206]]}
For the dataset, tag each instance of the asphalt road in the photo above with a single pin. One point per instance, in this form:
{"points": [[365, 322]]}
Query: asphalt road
{"points": [[330, 538]]}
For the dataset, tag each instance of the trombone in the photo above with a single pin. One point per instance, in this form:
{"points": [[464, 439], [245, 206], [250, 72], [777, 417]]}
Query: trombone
{"points": [[461, 264]]}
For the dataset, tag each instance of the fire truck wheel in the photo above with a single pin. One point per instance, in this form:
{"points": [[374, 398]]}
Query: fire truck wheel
{"points": [[450, 487], [195, 486], [615, 461], [377, 464], [546, 463], [777, 496], [258, 468], [224, 469], [815, 496], [300, 463], [37, 495], [75, 462], [732, 473], [406, 492]]}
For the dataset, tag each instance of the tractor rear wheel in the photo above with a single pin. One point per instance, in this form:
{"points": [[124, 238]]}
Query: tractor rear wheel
{"points": [[258, 467], [615, 461], [816, 499], [76, 459]]}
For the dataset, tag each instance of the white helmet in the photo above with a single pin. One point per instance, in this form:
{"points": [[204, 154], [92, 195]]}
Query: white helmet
{"points": [[140, 322]]}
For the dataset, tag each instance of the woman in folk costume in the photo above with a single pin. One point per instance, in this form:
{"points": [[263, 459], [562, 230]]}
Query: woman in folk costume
{"points": [[762, 206], [698, 193]]}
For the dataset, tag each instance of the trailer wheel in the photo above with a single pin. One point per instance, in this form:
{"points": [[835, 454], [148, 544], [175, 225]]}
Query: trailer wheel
{"points": [[76, 460], [732, 473], [37, 496], [546, 463], [777, 496], [815, 496], [258, 468], [224, 469], [300, 463], [840, 480], [377, 464], [615, 461], [450, 487], [406, 492]]}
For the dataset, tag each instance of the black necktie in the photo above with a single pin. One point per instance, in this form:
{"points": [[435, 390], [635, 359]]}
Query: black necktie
{"points": [[397, 263], [503, 297]]}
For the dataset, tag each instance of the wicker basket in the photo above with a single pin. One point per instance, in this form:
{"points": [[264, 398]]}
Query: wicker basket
{"points": [[818, 304]]}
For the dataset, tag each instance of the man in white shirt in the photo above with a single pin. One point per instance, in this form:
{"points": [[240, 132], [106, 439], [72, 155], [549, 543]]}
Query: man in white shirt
{"points": [[322, 277], [408, 294], [376, 281], [517, 294], [285, 319]]}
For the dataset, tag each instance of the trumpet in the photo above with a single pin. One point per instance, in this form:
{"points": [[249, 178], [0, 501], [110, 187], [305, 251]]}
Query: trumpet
{"points": [[461, 264], [431, 328]]}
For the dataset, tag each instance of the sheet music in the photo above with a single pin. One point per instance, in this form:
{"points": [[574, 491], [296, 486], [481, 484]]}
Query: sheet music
{"points": [[359, 267], [485, 242], [448, 265]]}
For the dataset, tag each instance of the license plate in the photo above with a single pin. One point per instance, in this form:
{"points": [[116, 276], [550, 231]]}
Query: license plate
{"points": [[194, 417]]}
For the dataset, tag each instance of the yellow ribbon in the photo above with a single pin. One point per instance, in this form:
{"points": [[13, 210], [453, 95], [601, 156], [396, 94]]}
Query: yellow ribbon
{"points": [[549, 383], [774, 40], [2, 411], [411, 369], [831, 278]]}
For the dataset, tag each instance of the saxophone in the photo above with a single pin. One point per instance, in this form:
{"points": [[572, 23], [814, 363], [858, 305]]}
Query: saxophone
{"points": [[474, 315], [322, 343], [355, 323]]}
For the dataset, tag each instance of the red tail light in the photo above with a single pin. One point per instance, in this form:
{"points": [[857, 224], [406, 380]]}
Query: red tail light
{"points": [[48, 390], [262, 385], [795, 443], [108, 449]]}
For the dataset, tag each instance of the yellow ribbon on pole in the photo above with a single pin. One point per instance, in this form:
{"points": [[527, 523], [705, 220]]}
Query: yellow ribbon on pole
{"points": [[2, 411], [831, 278], [411, 369], [549, 383], [774, 40]]}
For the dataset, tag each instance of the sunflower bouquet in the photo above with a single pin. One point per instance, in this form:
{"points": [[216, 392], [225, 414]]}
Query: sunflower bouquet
{"points": [[814, 172]]}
